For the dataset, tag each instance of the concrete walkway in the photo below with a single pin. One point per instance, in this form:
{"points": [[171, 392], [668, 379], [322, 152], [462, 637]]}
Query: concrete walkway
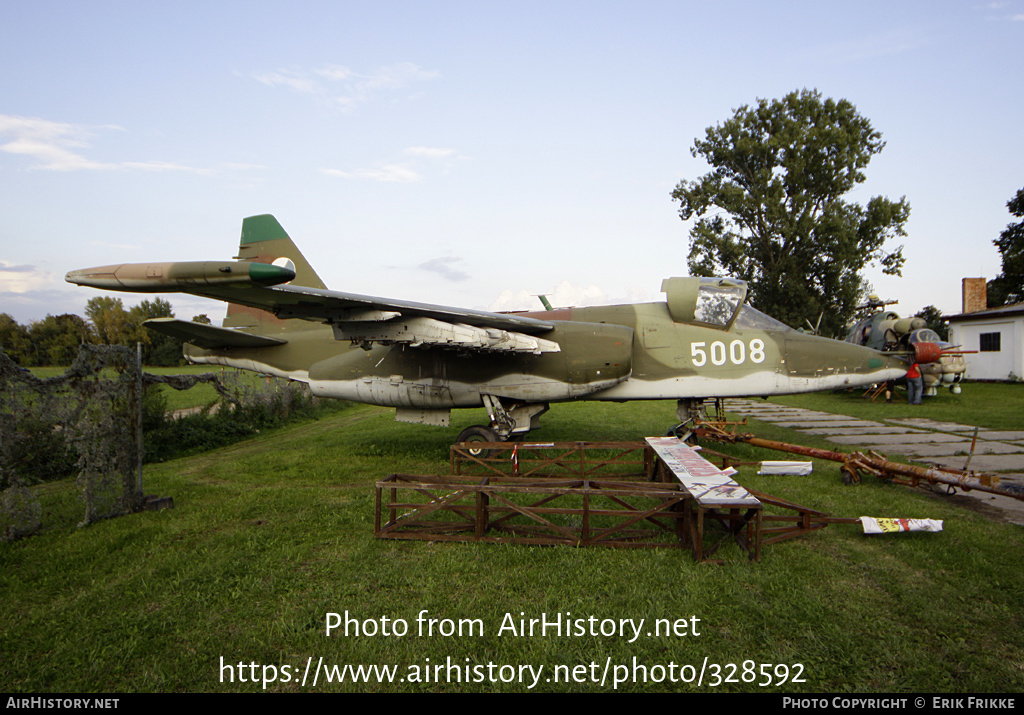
{"points": [[941, 444]]}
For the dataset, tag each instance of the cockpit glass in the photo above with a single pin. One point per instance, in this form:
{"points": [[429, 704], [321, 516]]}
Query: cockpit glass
{"points": [[925, 335], [716, 303], [754, 318]]}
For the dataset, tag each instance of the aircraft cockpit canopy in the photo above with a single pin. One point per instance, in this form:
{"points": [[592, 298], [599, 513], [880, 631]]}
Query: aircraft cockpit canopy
{"points": [[925, 335], [710, 301], [754, 318]]}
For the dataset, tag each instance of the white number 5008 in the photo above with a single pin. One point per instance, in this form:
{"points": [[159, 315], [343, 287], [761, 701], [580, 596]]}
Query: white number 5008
{"points": [[736, 353]]}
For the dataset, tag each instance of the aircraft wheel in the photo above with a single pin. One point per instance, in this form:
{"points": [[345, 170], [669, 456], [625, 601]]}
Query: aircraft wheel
{"points": [[475, 434], [683, 432]]}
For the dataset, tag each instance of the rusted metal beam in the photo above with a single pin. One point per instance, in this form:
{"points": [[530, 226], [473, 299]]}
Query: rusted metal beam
{"points": [[853, 463]]}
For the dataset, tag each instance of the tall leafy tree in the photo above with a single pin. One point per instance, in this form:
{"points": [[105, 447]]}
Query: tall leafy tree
{"points": [[14, 339], [55, 339], [1008, 286], [772, 210], [157, 348], [111, 323]]}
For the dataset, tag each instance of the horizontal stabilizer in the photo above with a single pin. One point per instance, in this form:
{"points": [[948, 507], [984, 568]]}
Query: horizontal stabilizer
{"points": [[209, 337]]}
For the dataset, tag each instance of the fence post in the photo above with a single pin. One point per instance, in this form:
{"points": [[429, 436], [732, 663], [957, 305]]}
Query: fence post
{"points": [[138, 424]]}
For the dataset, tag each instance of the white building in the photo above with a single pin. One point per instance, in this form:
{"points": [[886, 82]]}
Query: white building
{"points": [[997, 334]]}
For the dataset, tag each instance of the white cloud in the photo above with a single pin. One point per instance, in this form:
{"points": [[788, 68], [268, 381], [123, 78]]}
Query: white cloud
{"points": [[344, 87], [445, 268], [52, 144], [430, 152], [58, 146], [401, 172], [23, 278], [162, 166], [391, 173], [566, 295], [291, 80]]}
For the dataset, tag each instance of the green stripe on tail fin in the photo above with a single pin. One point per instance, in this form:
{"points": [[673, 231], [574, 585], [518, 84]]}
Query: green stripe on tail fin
{"points": [[265, 241]]}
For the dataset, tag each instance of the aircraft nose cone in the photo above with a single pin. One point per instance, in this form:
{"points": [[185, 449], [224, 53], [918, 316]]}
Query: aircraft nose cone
{"points": [[926, 352], [99, 277], [840, 364], [79, 276]]}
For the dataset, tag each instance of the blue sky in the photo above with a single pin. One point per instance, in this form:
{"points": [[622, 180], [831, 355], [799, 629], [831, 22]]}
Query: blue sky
{"points": [[474, 153]]}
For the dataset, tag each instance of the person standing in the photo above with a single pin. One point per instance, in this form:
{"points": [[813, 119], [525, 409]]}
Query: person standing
{"points": [[915, 385]]}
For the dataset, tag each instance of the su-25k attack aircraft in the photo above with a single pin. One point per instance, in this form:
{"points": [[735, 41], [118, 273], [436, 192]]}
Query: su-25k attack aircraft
{"points": [[424, 360]]}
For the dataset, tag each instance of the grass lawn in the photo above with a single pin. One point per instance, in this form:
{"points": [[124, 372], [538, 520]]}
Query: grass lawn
{"points": [[272, 534]]}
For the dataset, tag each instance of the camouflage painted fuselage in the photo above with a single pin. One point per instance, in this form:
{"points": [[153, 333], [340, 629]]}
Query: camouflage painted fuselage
{"points": [[624, 352], [701, 342]]}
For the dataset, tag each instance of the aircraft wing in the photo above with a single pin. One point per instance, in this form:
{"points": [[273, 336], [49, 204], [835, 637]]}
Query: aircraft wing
{"points": [[357, 318], [328, 306], [367, 319]]}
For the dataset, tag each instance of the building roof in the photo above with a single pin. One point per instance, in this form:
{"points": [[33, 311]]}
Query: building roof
{"points": [[1006, 311]]}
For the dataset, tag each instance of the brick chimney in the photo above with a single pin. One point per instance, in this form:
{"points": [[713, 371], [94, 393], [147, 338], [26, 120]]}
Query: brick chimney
{"points": [[975, 294]]}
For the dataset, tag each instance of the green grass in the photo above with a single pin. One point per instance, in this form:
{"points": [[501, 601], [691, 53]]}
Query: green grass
{"points": [[271, 534]]}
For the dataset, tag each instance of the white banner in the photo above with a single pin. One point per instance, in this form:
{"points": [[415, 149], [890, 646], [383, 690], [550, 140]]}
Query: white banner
{"points": [[800, 468], [879, 525]]}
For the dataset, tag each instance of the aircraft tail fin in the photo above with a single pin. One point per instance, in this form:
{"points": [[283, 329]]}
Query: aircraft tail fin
{"points": [[265, 241]]}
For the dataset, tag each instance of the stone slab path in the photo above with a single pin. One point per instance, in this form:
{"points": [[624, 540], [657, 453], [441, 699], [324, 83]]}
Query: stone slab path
{"points": [[942, 444]]}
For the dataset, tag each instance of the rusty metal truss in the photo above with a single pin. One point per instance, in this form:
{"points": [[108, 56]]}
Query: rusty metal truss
{"points": [[616, 494]]}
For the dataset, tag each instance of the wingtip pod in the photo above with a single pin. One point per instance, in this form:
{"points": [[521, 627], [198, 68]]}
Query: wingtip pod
{"points": [[179, 276]]}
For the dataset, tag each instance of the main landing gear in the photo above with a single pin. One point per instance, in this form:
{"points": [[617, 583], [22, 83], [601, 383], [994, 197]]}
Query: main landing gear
{"points": [[690, 412], [510, 421]]}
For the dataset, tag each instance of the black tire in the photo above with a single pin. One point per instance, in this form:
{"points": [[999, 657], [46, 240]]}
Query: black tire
{"points": [[477, 433]]}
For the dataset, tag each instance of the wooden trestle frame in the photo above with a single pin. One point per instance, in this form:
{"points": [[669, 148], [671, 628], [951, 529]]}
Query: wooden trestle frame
{"points": [[574, 512], [615, 494]]}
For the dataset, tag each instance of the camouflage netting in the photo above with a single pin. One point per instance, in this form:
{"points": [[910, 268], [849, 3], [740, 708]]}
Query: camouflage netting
{"points": [[87, 420]]}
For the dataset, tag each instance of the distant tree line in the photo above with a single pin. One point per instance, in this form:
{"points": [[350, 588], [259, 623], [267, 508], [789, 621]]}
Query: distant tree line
{"points": [[55, 339]]}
